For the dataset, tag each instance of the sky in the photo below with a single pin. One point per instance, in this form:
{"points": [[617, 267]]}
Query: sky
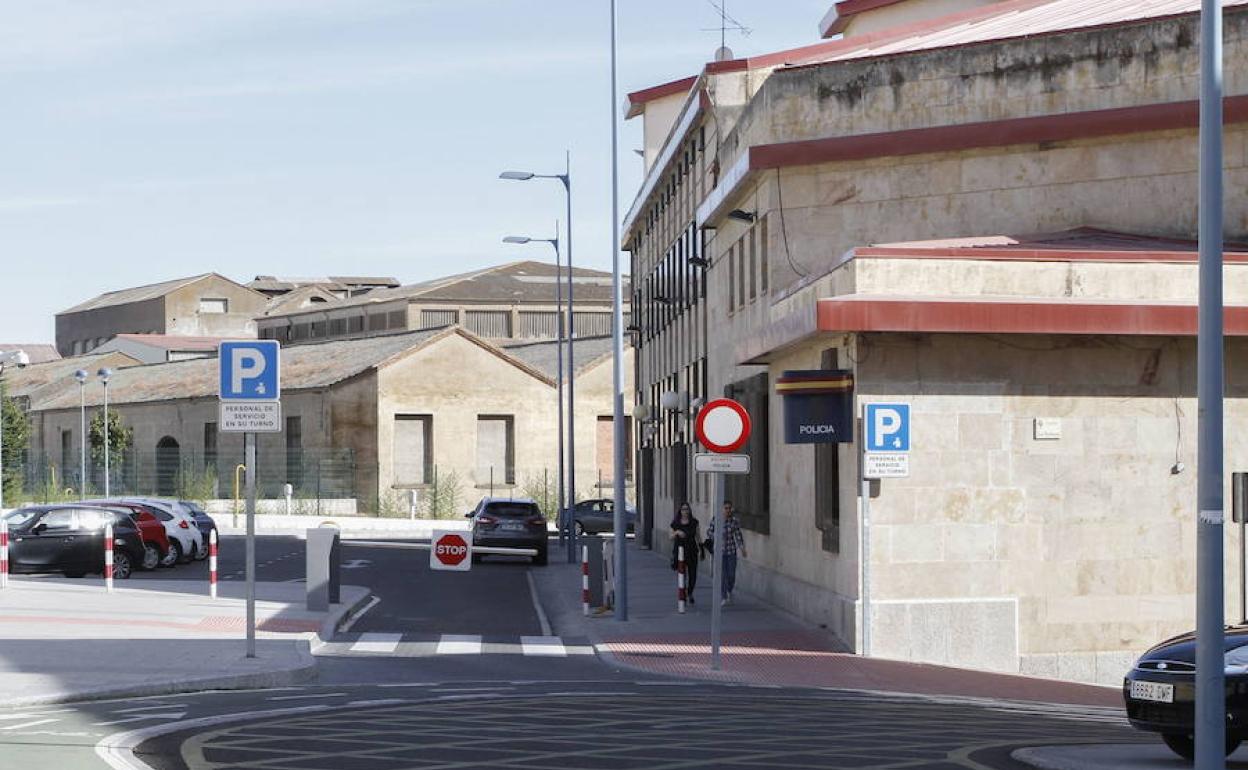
{"points": [[145, 140]]}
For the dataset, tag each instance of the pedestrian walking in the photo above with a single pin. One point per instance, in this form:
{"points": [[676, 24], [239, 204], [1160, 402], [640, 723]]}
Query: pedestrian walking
{"points": [[686, 534], [734, 543]]}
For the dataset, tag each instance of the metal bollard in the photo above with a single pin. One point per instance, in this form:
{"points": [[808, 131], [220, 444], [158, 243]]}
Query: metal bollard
{"points": [[680, 580], [4, 554], [585, 580], [108, 557], [212, 563]]}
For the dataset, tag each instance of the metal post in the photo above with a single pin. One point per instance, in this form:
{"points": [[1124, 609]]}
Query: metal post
{"points": [[572, 538], [1239, 496], [2, 421], [82, 434], [565, 517], [1210, 634], [864, 557], [717, 563], [107, 488], [617, 329], [249, 457]]}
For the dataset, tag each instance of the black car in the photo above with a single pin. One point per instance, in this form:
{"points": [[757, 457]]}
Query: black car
{"points": [[70, 539], [206, 523], [1160, 691], [598, 515], [509, 523]]}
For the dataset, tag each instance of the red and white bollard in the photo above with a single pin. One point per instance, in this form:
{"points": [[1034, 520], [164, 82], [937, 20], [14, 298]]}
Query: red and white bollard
{"points": [[4, 554], [212, 563], [108, 557], [585, 579], [681, 577]]}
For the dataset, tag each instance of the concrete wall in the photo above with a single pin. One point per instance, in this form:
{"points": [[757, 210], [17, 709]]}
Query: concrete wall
{"points": [[182, 316], [90, 328], [910, 12], [657, 121]]}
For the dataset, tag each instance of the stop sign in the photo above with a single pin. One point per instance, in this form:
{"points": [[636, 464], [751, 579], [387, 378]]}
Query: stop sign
{"points": [[450, 550]]}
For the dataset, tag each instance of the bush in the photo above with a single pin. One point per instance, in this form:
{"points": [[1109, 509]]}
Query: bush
{"points": [[442, 500]]}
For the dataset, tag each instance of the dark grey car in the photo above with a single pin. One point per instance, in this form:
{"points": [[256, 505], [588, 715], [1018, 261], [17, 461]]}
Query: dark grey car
{"points": [[509, 523], [598, 515]]}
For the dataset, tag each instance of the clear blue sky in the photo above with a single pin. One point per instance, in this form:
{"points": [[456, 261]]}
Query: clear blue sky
{"points": [[151, 139]]}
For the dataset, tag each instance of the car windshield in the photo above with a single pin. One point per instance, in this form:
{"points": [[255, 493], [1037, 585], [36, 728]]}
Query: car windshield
{"points": [[512, 510]]}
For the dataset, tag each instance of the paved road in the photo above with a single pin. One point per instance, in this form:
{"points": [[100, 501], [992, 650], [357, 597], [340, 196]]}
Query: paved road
{"points": [[455, 670]]}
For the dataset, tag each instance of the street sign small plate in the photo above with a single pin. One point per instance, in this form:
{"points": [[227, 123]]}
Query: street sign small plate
{"points": [[717, 463], [886, 465], [250, 417]]}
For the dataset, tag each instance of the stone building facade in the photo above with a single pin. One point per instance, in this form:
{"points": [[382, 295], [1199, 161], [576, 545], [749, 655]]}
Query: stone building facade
{"points": [[985, 215]]}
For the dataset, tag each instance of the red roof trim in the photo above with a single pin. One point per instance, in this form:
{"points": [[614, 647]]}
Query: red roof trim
{"points": [[637, 100], [977, 316], [996, 133], [846, 10]]}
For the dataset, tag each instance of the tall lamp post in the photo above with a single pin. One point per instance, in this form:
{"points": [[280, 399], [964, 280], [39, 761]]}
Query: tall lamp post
{"points": [[81, 375], [20, 358], [519, 239], [617, 329], [566, 179], [104, 374]]}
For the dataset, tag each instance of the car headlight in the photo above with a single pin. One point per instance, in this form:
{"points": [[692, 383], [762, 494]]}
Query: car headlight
{"points": [[1236, 660]]}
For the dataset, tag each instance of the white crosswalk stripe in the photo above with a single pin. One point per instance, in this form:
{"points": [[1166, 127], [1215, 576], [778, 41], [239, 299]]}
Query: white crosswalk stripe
{"points": [[459, 644], [383, 643], [543, 645]]}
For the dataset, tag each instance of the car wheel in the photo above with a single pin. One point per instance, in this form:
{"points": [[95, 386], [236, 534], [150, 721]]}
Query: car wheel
{"points": [[151, 557], [201, 553], [1185, 746], [185, 557], [174, 554], [121, 565]]}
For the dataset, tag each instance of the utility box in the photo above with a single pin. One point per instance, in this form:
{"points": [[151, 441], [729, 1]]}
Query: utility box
{"points": [[323, 555]]}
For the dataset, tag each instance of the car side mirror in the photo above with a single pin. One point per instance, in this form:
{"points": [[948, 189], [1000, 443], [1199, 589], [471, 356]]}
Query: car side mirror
{"points": [[469, 514], [38, 528]]}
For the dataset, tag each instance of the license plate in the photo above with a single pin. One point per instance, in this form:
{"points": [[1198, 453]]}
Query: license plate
{"points": [[511, 526], [1154, 691]]}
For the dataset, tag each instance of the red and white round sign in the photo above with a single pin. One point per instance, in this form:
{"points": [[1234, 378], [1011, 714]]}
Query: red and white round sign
{"points": [[723, 426], [450, 550]]}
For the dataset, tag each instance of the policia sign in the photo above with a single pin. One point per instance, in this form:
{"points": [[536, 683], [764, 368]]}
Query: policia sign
{"points": [[818, 406]]}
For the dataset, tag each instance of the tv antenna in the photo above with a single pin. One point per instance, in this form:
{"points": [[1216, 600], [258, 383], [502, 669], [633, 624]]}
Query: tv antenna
{"points": [[726, 23]]}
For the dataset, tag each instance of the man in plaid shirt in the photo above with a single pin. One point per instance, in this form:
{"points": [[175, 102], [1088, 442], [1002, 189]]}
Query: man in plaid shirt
{"points": [[734, 543]]}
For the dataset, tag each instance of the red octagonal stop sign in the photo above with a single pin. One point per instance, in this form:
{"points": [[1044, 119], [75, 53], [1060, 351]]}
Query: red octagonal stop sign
{"points": [[450, 550]]}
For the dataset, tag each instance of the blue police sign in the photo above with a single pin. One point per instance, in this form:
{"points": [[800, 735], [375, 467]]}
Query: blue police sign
{"points": [[250, 371], [818, 406], [887, 427]]}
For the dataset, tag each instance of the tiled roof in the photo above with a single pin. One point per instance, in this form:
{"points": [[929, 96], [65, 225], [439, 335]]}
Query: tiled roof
{"points": [[544, 355], [136, 293], [173, 342], [24, 382], [38, 353]]}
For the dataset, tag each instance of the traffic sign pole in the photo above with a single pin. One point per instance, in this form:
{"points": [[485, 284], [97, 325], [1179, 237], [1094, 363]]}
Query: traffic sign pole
{"points": [[717, 563], [865, 551], [249, 448]]}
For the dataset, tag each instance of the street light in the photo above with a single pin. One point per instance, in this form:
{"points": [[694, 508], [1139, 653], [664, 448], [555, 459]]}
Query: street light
{"points": [[81, 375], [566, 179], [20, 358], [617, 342], [104, 374], [565, 518]]}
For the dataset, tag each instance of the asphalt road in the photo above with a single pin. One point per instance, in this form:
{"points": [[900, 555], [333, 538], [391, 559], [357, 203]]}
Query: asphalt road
{"points": [[453, 670]]}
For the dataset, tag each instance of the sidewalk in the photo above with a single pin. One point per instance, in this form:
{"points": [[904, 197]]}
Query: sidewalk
{"points": [[762, 645], [63, 640]]}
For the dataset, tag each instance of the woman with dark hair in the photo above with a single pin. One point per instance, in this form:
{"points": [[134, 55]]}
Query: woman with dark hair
{"points": [[686, 534]]}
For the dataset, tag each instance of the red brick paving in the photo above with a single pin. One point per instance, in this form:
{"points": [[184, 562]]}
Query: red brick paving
{"points": [[810, 659]]}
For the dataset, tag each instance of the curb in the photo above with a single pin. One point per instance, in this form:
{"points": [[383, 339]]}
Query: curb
{"points": [[303, 671]]}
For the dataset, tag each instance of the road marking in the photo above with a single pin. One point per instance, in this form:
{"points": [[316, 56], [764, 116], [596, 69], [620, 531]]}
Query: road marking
{"points": [[153, 707], [543, 645], [459, 644], [383, 643], [351, 622], [30, 714], [172, 715], [305, 697], [29, 724], [537, 604]]}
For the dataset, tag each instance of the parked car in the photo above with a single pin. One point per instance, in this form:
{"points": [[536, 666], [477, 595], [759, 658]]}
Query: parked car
{"points": [[206, 523], [70, 539], [1160, 691], [598, 515], [509, 523], [184, 536], [156, 548]]}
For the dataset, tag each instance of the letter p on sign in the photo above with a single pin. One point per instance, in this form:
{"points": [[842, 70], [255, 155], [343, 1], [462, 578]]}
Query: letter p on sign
{"points": [[887, 427]]}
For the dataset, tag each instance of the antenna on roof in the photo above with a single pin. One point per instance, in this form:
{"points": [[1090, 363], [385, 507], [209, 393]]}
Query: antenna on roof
{"points": [[726, 22]]}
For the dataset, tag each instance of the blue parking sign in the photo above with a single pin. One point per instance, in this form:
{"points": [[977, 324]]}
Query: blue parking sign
{"points": [[250, 370], [887, 427]]}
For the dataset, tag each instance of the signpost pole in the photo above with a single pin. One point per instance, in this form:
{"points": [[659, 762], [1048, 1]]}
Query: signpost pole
{"points": [[717, 564], [249, 450], [865, 554]]}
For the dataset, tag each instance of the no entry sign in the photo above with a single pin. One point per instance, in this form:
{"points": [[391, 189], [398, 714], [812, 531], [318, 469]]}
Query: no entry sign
{"points": [[723, 426], [451, 551]]}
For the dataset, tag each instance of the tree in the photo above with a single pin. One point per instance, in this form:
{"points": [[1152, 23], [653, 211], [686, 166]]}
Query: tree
{"points": [[16, 431], [119, 436]]}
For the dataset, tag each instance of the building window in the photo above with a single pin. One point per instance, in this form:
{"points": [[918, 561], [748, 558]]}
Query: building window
{"points": [[489, 323], [751, 494], [355, 324], [377, 323], [397, 319], [753, 265], [214, 305], [740, 287], [77, 347], [762, 254], [496, 450], [732, 279], [413, 449], [294, 451]]}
